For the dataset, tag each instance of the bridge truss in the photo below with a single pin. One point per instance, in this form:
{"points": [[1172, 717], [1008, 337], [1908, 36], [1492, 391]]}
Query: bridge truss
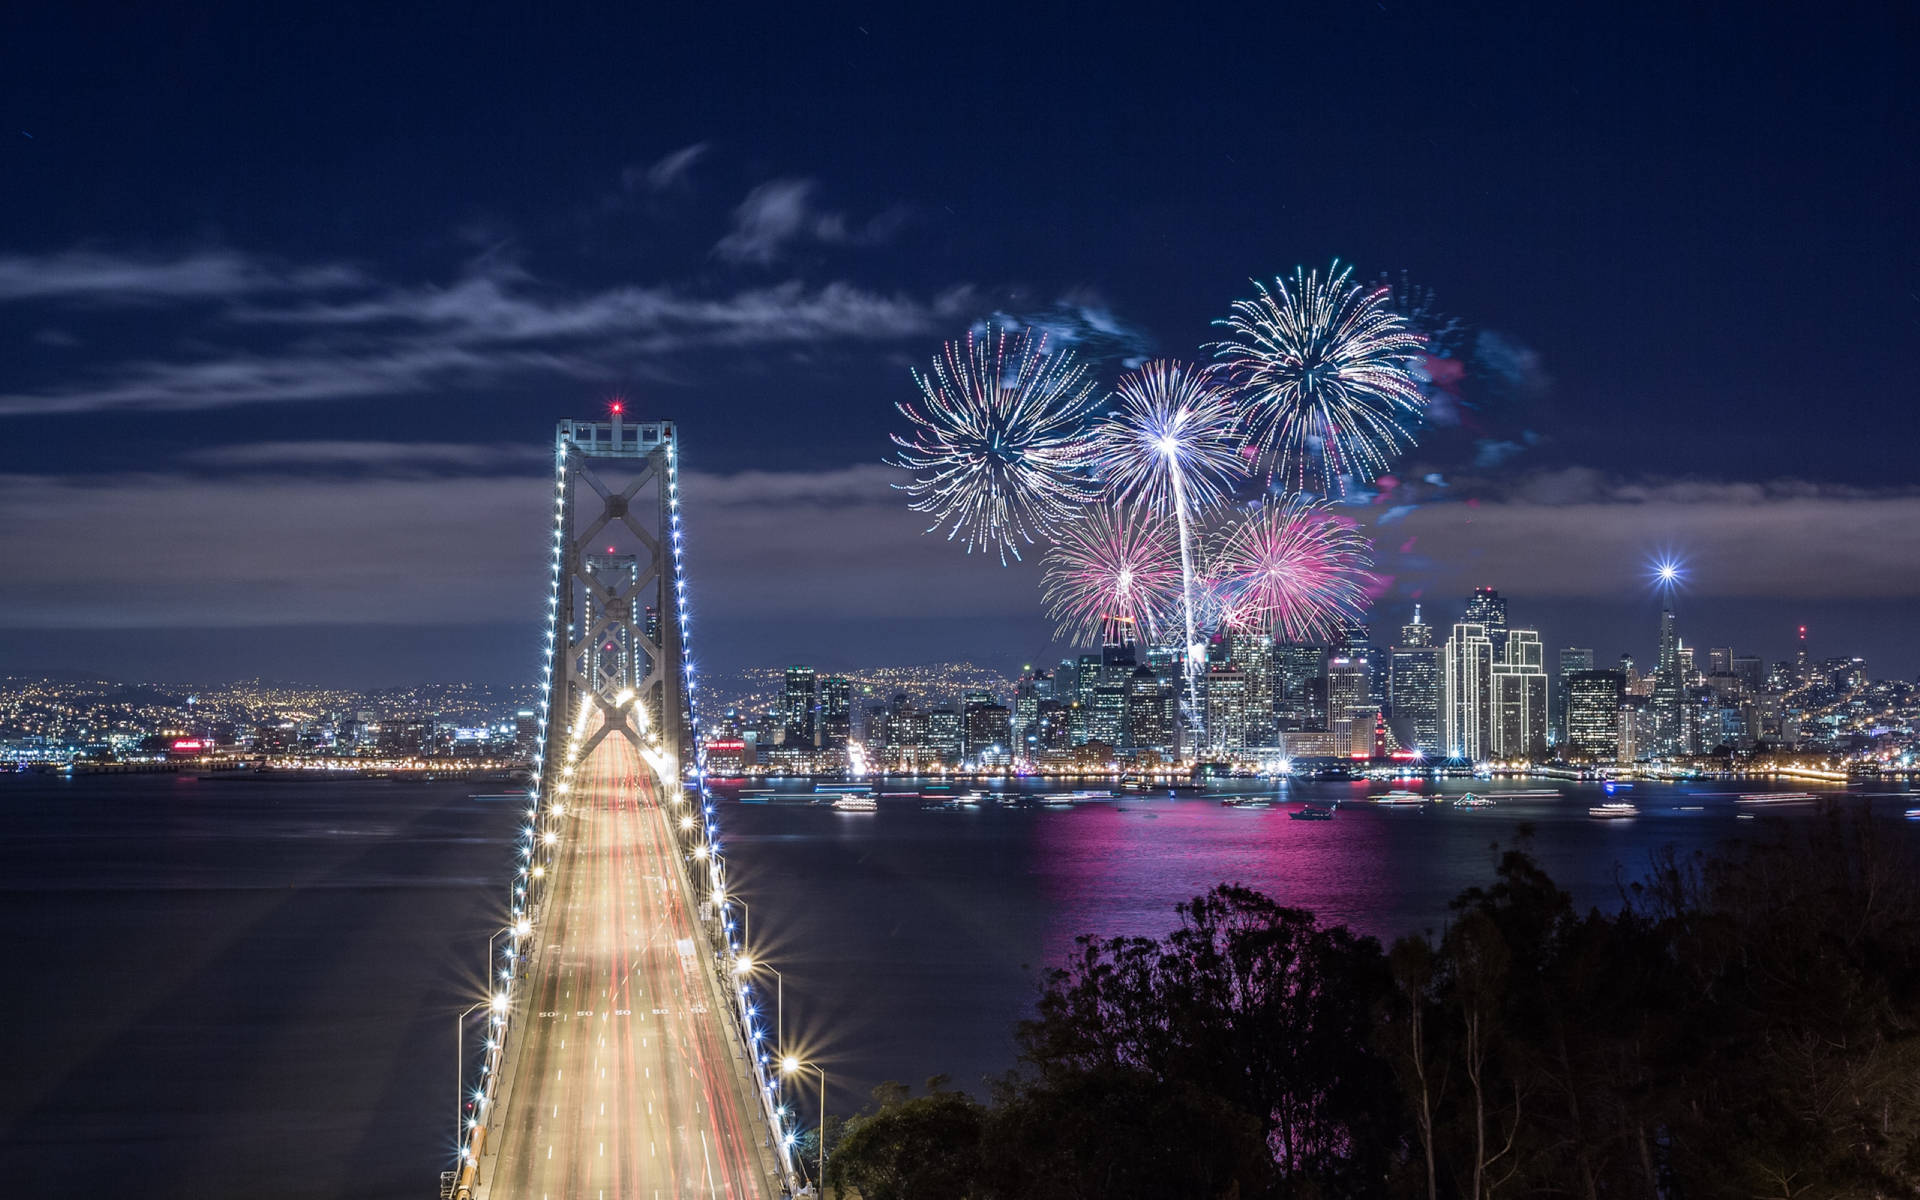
{"points": [[616, 665]]}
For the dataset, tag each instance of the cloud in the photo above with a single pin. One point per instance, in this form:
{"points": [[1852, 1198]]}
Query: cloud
{"points": [[1082, 320], [387, 546], [380, 456], [779, 215], [1579, 533], [665, 173], [98, 278], [326, 333]]}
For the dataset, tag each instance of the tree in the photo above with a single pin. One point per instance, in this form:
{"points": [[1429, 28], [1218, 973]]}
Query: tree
{"points": [[912, 1148]]}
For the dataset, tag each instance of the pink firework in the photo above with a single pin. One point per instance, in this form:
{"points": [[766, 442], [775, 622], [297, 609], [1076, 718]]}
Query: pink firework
{"points": [[1294, 567], [1113, 575]]}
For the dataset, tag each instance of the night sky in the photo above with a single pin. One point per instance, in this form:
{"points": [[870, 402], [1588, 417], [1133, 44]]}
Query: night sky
{"points": [[290, 303]]}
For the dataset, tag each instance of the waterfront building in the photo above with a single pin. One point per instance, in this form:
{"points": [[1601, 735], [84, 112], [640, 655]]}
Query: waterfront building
{"points": [[1350, 714], [1226, 701], [1152, 712], [799, 707], [1252, 652], [836, 712], [1467, 692], [1573, 660], [1594, 700], [1519, 704], [1299, 686], [1413, 686]]}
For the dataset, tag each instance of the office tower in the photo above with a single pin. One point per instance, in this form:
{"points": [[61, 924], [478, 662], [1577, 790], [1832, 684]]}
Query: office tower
{"points": [[1466, 692], [1573, 659], [1519, 706], [1668, 691], [1594, 700], [1636, 729], [1801, 666], [946, 735], [1107, 713], [1226, 702], [1117, 660], [1299, 696], [1751, 673], [1413, 686], [1348, 709], [1034, 686], [989, 731], [799, 707], [1488, 609], [1151, 712], [1252, 653], [836, 712], [1720, 660]]}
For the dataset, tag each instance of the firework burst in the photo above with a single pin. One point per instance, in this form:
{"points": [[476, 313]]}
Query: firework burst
{"points": [[1170, 445], [1293, 567], [1113, 575], [996, 441], [1325, 368]]}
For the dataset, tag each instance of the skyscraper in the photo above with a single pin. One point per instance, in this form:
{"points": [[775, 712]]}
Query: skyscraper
{"points": [[1226, 701], [1573, 659], [836, 712], [1299, 693], [1151, 712], [1252, 652], [1413, 686], [799, 706], [1594, 701], [1467, 692], [1349, 713], [1669, 727], [1519, 705], [1488, 609]]}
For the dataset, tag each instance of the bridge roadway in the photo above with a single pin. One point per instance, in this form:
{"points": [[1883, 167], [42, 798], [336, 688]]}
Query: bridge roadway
{"points": [[624, 1084]]}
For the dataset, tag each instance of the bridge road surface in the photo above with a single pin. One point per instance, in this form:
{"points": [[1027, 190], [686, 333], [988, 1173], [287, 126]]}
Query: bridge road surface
{"points": [[625, 1084]]}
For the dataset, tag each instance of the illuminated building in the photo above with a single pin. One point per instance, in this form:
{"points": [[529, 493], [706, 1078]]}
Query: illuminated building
{"points": [[1299, 687], [1252, 653], [1573, 660], [1594, 700], [1519, 704], [1487, 608], [1466, 692], [1226, 700], [1350, 714], [1413, 685], [1152, 711], [799, 707]]}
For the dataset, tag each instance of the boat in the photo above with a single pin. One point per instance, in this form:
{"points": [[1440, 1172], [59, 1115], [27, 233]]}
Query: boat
{"points": [[1913, 814], [1247, 802], [1398, 796], [971, 799], [856, 803], [1613, 810], [1469, 800], [1776, 798], [1057, 800], [1311, 812]]}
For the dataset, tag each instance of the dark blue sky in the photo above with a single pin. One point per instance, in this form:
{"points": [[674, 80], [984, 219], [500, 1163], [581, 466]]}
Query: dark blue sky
{"points": [[248, 255]]}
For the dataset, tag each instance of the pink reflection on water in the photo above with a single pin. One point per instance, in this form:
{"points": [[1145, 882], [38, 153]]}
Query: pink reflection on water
{"points": [[1113, 869]]}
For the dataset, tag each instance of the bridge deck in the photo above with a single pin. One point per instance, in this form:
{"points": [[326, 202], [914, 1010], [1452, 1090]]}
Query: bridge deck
{"points": [[624, 1083]]}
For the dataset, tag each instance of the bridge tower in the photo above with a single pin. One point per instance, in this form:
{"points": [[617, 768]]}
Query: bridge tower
{"points": [[615, 625]]}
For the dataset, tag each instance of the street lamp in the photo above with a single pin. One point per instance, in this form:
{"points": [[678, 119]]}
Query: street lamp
{"points": [[790, 1065], [460, 1069]]}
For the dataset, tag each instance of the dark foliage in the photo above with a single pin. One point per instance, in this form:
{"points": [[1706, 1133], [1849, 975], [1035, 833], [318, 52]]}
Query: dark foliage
{"points": [[1746, 1025]]}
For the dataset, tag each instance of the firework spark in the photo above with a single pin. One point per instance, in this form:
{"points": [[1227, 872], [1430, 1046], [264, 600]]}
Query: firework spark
{"points": [[1113, 575], [996, 442], [1294, 567], [1325, 368], [1171, 446]]}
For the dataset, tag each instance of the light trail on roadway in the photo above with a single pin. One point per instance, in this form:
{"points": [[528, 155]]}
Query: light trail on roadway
{"points": [[625, 1084]]}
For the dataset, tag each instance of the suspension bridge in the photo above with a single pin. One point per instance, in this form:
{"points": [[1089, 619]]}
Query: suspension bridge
{"points": [[622, 1051]]}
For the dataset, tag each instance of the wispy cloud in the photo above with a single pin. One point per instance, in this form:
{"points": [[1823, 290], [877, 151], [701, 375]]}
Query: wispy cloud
{"points": [[275, 334], [100, 278], [387, 457], [665, 173], [781, 215]]}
